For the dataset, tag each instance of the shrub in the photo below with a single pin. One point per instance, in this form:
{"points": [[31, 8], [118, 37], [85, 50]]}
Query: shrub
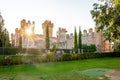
{"points": [[118, 48], [2, 60], [29, 59], [16, 59], [51, 56], [66, 57]]}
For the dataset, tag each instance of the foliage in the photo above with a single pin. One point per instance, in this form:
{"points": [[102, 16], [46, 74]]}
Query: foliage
{"points": [[51, 57], [118, 48], [4, 35], [107, 16], [1, 60], [66, 57], [9, 51], [54, 47], [89, 48], [115, 2], [92, 47], [7, 41], [84, 46], [1, 31], [20, 43], [75, 40], [14, 51], [47, 38], [79, 40]]}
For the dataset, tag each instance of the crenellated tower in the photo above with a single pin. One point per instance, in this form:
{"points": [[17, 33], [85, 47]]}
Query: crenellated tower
{"points": [[27, 25], [50, 26], [61, 34]]}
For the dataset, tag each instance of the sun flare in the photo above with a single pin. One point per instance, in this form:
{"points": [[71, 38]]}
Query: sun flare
{"points": [[28, 31]]}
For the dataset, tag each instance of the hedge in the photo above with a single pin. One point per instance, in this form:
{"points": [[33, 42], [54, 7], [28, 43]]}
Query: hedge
{"points": [[14, 51], [30, 59]]}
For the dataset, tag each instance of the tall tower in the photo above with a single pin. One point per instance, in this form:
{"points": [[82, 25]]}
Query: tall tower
{"points": [[61, 34], [50, 26], [98, 39], [27, 25]]}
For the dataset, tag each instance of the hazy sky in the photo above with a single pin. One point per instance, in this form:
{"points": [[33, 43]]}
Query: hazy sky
{"points": [[63, 13]]}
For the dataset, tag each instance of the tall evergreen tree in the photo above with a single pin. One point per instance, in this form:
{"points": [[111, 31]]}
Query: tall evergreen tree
{"points": [[79, 39], [20, 43], [47, 40], [75, 39], [7, 40]]}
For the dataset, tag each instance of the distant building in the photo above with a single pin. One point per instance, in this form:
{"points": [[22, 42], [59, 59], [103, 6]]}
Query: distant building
{"points": [[88, 38], [62, 41], [33, 40]]}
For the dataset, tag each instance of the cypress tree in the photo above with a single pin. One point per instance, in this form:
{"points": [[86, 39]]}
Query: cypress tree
{"points": [[75, 40], [79, 39], [7, 41], [20, 43], [47, 38]]}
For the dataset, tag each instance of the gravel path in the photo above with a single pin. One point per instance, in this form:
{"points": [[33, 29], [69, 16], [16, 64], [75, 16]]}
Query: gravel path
{"points": [[113, 75]]}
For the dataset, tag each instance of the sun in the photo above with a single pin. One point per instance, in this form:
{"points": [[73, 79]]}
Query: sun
{"points": [[28, 31]]}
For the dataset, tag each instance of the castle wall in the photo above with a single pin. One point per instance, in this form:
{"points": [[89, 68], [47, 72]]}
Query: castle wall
{"points": [[62, 41], [88, 38]]}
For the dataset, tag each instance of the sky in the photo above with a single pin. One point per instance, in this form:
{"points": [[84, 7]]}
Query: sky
{"points": [[63, 13]]}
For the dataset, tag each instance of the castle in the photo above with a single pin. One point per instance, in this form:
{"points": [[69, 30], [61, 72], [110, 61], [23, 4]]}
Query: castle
{"points": [[33, 40], [62, 41]]}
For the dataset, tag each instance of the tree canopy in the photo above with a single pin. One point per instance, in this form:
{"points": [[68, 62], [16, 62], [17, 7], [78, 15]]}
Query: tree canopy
{"points": [[4, 35], [107, 16]]}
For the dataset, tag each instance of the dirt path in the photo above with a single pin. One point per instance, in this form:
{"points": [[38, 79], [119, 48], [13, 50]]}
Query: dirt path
{"points": [[113, 75]]}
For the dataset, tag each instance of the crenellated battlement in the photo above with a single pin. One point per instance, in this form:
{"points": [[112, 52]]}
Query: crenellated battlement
{"points": [[27, 25], [88, 37]]}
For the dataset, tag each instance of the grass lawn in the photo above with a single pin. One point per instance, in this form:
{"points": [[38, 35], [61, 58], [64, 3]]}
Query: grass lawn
{"points": [[68, 70]]}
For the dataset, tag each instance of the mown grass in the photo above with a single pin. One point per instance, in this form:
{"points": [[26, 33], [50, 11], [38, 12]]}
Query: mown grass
{"points": [[68, 70]]}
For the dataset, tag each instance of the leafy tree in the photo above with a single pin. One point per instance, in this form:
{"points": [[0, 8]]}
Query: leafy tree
{"points": [[79, 40], [1, 31], [47, 38], [4, 34], [75, 40], [115, 2], [107, 16]]}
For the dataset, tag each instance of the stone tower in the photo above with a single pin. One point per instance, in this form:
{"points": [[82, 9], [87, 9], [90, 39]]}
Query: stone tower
{"points": [[61, 34], [50, 26], [98, 39], [27, 25]]}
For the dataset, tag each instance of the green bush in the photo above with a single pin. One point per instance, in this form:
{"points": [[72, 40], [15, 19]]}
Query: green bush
{"points": [[8, 51], [66, 57], [51, 57], [14, 51], [16, 59], [2, 60], [118, 48]]}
